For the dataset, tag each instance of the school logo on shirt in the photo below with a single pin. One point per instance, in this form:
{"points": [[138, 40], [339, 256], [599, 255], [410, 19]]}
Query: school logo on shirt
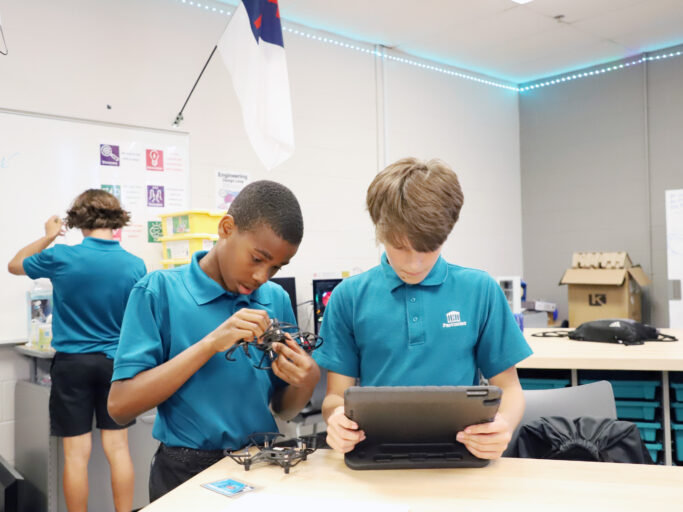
{"points": [[453, 320]]}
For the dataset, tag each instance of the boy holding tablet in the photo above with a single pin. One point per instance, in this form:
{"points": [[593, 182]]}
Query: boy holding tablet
{"points": [[179, 323], [417, 320]]}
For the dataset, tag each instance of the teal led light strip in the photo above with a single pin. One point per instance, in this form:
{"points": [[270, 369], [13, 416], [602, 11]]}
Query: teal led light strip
{"points": [[369, 50], [451, 71], [599, 71]]}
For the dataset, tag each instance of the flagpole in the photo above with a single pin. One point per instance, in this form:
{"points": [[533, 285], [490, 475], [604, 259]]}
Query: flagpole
{"points": [[179, 117]]}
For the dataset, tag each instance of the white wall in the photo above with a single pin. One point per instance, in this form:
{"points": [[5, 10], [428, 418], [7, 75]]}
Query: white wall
{"points": [[73, 57], [13, 367], [597, 155], [475, 128]]}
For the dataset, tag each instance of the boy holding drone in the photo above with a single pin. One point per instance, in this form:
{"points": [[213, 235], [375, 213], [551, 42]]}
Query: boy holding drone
{"points": [[175, 334]]}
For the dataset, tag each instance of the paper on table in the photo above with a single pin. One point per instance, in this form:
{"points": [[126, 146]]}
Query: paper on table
{"points": [[285, 503]]}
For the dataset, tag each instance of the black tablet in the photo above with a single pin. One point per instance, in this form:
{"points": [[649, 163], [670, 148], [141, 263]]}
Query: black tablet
{"points": [[415, 426]]}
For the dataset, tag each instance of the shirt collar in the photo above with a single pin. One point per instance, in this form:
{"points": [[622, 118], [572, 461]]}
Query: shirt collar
{"points": [[100, 243], [204, 289], [435, 277]]}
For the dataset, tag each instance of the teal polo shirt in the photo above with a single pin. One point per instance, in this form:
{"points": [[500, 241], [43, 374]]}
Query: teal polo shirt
{"points": [[439, 332], [91, 282], [224, 401]]}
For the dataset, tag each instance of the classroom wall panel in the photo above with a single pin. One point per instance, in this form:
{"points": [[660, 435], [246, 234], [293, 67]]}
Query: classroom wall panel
{"points": [[597, 155], [665, 111], [474, 128]]}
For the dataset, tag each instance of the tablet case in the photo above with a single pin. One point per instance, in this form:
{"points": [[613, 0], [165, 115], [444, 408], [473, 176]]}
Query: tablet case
{"points": [[415, 426]]}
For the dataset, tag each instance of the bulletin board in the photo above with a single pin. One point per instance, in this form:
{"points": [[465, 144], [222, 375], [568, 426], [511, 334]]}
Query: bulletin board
{"points": [[45, 162]]}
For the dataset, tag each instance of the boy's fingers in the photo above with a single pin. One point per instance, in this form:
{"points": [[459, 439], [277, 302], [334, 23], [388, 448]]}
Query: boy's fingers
{"points": [[343, 421], [287, 352], [483, 428]]}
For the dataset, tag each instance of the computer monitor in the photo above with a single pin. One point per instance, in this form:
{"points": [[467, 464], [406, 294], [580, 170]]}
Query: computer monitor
{"points": [[11, 488], [322, 289], [289, 284]]}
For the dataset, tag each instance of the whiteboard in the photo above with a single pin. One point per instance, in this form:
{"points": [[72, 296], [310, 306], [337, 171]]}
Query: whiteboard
{"points": [[45, 162], [674, 250]]}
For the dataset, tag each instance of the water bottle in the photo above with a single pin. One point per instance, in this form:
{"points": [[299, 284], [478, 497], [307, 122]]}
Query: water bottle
{"points": [[40, 314]]}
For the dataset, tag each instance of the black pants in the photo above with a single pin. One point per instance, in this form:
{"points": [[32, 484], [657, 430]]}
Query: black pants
{"points": [[172, 466]]}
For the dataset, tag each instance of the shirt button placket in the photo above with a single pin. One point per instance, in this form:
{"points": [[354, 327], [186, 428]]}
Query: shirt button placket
{"points": [[414, 320]]}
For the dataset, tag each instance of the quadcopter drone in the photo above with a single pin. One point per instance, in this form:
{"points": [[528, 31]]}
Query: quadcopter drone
{"points": [[275, 334], [283, 456]]}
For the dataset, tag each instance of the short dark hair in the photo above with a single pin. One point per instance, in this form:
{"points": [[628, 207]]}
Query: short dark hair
{"points": [[95, 209], [271, 204], [415, 200]]}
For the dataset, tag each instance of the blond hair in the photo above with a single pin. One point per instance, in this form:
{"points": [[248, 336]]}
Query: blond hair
{"points": [[415, 201]]}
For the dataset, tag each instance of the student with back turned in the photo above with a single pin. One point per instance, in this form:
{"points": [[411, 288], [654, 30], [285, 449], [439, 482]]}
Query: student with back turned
{"points": [[91, 283], [180, 322], [417, 320]]}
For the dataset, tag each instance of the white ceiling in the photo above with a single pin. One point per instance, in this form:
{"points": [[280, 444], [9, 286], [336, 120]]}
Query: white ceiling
{"points": [[502, 39]]}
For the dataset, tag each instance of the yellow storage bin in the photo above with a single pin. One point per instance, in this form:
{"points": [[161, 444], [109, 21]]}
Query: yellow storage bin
{"points": [[173, 263], [191, 221], [182, 247]]}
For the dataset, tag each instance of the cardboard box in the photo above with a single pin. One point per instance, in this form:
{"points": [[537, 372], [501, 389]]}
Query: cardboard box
{"points": [[603, 285]]}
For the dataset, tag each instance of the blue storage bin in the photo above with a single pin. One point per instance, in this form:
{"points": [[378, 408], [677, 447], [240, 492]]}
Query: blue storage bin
{"points": [[677, 388], [648, 431], [642, 389], [538, 383], [677, 434], [677, 411], [637, 409], [654, 449]]}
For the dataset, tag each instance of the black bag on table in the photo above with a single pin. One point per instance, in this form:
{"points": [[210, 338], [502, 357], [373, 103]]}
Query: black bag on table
{"points": [[614, 330]]}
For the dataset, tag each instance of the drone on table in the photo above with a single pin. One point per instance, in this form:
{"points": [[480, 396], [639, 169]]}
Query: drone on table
{"points": [[276, 333], [266, 451]]}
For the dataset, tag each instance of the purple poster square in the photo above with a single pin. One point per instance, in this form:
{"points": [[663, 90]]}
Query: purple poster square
{"points": [[109, 155], [155, 195]]}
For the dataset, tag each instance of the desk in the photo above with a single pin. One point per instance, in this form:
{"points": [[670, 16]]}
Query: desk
{"points": [[563, 353], [513, 485]]}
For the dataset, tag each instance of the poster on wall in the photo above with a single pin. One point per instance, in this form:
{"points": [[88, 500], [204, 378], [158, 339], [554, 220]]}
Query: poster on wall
{"points": [[228, 185], [674, 254], [148, 178]]}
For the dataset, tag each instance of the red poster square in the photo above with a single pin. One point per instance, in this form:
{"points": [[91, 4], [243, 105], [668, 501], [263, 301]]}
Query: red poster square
{"points": [[155, 159]]}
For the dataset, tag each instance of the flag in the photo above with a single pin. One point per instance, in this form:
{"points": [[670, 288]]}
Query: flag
{"points": [[253, 52]]}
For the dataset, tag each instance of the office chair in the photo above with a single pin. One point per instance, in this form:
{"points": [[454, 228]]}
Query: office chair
{"points": [[594, 399]]}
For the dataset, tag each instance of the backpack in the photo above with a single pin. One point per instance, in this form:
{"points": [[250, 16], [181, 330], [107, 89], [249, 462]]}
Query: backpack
{"points": [[619, 330], [616, 330], [584, 438]]}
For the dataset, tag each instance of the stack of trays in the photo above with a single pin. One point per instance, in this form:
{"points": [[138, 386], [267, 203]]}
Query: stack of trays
{"points": [[185, 233], [677, 416], [636, 402]]}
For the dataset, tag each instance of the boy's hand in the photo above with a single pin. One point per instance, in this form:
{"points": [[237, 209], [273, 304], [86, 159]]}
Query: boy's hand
{"points": [[54, 227], [245, 324], [487, 440], [294, 365], [342, 433]]}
